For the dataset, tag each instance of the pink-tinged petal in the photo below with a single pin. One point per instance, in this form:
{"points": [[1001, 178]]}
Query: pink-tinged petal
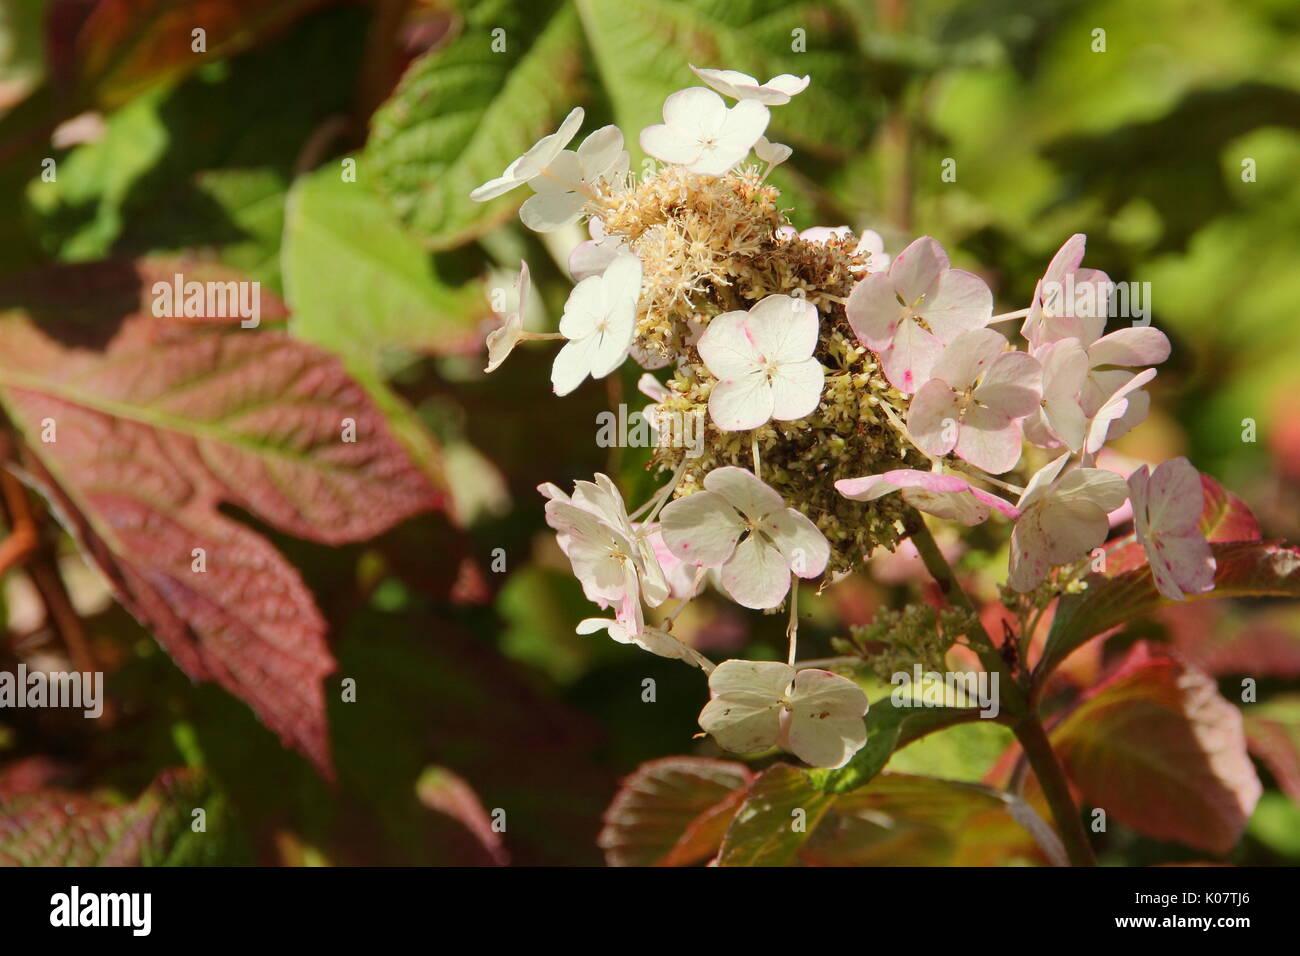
{"points": [[909, 360], [757, 575], [701, 529], [933, 417], [1114, 408], [741, 404], [874, 312], [1028, 562], [1139, 407], [968, 356], [800, 542], [797, 389], [1093, 304], [961, 507], [989, 440], [744, 492], [727, 348], [1177, 496], [783, 328], [996, 503], [1182, 564], [916, 270], [868, 488], [1067, 259], [1012, 385], [1130, 347], [961, 302]]}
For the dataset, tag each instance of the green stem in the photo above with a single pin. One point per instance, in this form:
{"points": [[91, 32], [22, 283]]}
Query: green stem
{"points": [[1013, 694], [1051, 777], [1025, 722]]}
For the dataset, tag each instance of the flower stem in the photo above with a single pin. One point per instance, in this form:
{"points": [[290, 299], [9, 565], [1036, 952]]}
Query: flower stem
{"points": [[1051, 777], [792, 630], [1024, 720], [1013, 694]]}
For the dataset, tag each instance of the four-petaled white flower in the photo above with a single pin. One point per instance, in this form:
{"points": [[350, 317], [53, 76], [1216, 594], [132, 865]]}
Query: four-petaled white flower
{"points": [[813, 714], [909, 313], [567, 182], [502, 341], [742, 526], [944, 496], [741, 86], [600, 322], [602, 499], [1167, 505], [1061, 519], [534, 162], [774, 154], [700, 133], [763, 362], [974, 401]]}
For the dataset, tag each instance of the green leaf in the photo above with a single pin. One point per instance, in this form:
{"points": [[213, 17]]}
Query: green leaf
{"points": [[900, 819], [463, 112], [361, 286], [1245, 569], [643, 50], [889, 729], [781, 810]]}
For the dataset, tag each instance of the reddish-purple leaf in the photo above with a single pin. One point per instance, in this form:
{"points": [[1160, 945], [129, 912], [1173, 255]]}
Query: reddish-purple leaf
{"points": [[672, 812], [1245, 569], [105, 51], [448, 793], [1160, 750], [139, 441], [1225, 516], [61, 828]]}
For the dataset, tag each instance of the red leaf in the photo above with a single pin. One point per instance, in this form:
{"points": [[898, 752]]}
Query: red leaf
{"points": [[138, 443], [1245, 569], [60, 828], [1225, 516], [105, 51], [1160, 750], [672, 812], [448, 793]]}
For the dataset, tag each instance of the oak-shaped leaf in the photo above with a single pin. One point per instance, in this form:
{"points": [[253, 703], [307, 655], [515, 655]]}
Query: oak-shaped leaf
{"points": [[672, 812], [137, 441], [50, 827], [1161, 751]]}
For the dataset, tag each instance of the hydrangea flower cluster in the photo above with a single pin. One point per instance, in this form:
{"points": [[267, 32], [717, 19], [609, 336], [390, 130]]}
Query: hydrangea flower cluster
{"points": [[842, 392]]}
